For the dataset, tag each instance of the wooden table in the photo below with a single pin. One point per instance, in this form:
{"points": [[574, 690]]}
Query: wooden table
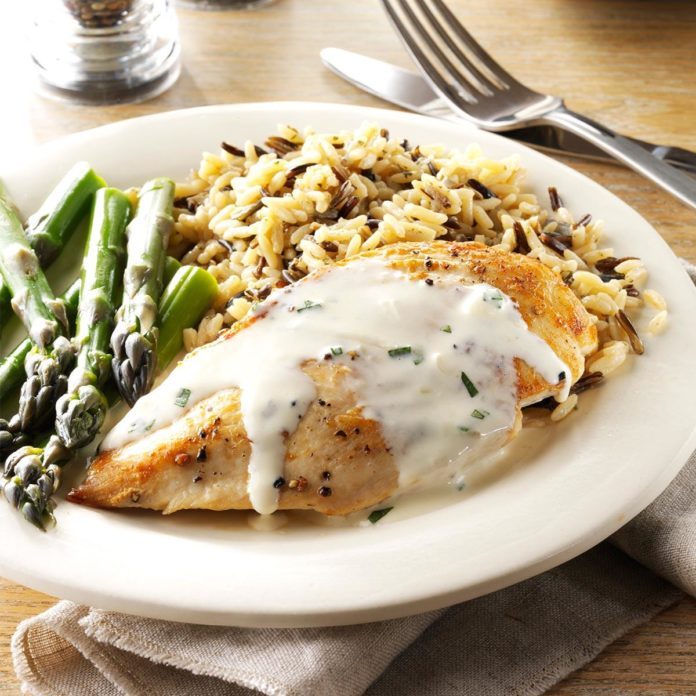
{"points": [[628, 64]]}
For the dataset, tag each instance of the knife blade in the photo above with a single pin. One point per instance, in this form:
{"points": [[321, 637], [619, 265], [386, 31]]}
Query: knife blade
{"points": [[412, 92]]}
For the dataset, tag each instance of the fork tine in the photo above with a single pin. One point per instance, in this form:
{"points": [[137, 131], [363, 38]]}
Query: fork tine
{"points": [[489, 85], [474, 46], [432, 73], [484, 86]]}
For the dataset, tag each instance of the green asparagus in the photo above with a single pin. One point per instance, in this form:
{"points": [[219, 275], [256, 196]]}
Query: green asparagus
{"points": [[134, 340], [187, 297], [45, 320], [12, 375], [51, 226], [32, 474], [80, 413], [49, 229], [12, 366]]}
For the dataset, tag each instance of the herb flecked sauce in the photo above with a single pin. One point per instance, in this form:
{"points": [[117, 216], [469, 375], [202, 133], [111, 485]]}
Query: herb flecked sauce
{"points": [[432, 363]]}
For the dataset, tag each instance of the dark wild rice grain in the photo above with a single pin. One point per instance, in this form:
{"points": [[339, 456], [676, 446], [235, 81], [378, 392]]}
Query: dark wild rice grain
{"points": [[480, 188], [521, 243], [592, 379], [555, 199], [553, 243], [231, 149], [630, 331], [281, 146], [611, 262], [584, 220]]}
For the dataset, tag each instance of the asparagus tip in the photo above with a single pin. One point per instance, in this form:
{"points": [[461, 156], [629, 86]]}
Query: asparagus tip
{"points": [[80, 415]]}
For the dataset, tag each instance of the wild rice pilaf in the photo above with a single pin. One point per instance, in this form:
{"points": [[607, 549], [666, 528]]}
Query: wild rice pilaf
{"points": [[260, 218]]}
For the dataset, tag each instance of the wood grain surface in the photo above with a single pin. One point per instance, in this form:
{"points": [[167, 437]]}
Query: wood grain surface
{"points": [[626, 63]]}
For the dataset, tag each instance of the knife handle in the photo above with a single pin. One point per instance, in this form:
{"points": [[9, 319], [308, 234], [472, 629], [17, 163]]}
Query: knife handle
{"points": [[627, 151]]}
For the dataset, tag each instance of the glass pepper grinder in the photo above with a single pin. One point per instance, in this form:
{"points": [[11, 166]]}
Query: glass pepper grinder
{"points": [[104, 51]]}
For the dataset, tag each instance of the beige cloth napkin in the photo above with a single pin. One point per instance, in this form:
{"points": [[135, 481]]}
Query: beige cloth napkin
{"points": [[520, 640]]}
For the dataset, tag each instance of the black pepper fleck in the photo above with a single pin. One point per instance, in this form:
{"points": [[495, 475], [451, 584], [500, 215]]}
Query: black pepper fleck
{"points": [[202, 434], [197, 478], [429, 281], [324, 491], [279, 482], [326, 475], [202, 454], [321, 402], [341, 433]]}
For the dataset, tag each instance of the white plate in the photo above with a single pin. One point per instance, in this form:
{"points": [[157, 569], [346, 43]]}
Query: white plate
{"points": [[564, 493]]}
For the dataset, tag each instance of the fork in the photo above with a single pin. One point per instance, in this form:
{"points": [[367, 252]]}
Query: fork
{"points": [[480, 90]]}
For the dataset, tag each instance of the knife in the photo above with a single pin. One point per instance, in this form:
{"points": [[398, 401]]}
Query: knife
{"points": [[412, 92]]}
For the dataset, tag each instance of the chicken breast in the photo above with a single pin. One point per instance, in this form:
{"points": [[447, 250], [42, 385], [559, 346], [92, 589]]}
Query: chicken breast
{"points": [[339, 458]]}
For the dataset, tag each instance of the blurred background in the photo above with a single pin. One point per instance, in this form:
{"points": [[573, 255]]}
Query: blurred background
{"points": [[627, 63]]}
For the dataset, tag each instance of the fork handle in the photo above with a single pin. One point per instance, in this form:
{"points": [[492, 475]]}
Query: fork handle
{"points": [[632, 155]]}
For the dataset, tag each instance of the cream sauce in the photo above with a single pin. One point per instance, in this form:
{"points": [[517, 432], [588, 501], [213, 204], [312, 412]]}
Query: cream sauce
{"points": [[432, 363]]}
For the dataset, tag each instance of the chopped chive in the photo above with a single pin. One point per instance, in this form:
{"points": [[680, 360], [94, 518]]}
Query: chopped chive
{"points": [[148, 427], [496, 298], [464, 429], [308, 304], [376, 515], [337, 350], [418, 358], [182, 397], [480, 414], [470, 386], [446, 329], [396, 352]]}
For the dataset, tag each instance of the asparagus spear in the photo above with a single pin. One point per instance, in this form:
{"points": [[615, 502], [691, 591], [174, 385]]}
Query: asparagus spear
{"points": [[185, 300], [171, 266], [134, 340], [32, 474], [51, 226], [12, 366], [80, 413], [45, 319], [12, 375]]}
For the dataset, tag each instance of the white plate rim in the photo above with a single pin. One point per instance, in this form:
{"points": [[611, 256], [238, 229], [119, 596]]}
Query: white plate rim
{"points": [[359, 601]]}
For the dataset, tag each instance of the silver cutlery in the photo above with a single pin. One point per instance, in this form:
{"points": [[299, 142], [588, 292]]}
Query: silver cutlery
{"points": [[412, 92], [476, 87]]}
